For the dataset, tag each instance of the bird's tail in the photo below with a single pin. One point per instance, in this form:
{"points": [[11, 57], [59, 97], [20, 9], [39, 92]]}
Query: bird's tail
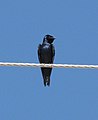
{"points": [[47, 81]]}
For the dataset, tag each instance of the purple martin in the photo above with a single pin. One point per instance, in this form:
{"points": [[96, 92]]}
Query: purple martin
{"points": [[46, 53]]}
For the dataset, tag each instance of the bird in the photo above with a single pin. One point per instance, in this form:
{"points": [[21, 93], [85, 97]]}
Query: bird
{"points": [[46, 53]]}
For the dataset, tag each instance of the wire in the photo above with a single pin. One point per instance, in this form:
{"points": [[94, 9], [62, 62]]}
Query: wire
{"points": [[48, 65]]}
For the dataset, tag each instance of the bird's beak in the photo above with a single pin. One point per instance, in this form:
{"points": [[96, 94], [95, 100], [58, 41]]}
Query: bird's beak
{"points": [[54, 38]]}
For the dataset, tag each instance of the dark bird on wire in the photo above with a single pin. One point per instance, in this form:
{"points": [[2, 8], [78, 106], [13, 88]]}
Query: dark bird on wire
{"points": [[46, 53]]}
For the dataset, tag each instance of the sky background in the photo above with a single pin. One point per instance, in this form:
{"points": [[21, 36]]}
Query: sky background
{"points": [[73, 94]]}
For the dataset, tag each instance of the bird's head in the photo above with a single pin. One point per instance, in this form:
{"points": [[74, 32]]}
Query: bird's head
{"points": [[48, 38]]}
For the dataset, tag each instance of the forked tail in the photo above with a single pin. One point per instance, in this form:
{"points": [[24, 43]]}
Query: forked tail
{"points": [[47, 81]]}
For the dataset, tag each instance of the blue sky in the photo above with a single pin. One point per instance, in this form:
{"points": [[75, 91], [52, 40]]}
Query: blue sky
{"points": [[73, 94]]}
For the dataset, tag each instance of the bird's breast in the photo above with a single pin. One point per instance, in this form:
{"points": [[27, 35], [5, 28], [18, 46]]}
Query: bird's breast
{"points": [[46, 54], [46, 48]]}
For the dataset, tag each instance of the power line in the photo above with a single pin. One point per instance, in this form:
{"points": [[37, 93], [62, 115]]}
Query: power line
{"points": [[48, 65]]}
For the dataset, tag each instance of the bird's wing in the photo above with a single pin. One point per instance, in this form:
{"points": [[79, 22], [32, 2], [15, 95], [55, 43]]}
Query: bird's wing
{"points": [[39, 52], [53, 52]]}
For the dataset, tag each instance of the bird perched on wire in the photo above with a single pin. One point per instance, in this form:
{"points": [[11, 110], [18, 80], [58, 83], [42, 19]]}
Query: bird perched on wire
{"points": [[46, 53]]}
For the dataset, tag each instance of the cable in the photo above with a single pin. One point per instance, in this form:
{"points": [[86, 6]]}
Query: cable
{"points": [[48, 65]]}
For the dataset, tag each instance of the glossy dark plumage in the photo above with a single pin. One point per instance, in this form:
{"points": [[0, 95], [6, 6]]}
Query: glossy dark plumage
{"points": [[46, 53]]}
